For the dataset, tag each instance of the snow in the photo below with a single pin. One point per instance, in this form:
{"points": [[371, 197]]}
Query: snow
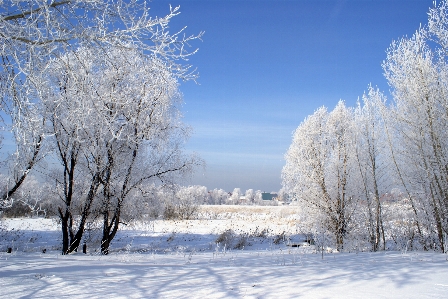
{"points": [[180, 259]]}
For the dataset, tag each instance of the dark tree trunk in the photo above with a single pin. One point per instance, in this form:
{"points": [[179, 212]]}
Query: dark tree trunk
{"points": [[84, 215], [64, 227], [22, 178], [105, 243], [109, 231]]}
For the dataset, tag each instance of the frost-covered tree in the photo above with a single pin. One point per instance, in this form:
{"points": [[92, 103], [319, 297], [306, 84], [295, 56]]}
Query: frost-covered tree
{"points": [[200, 194], [258, 196], [250, 195], [186, 201], [362, 155], [31, 199], [372, 159], [34, 32], [235, 197], [118, 113], [40, 38], [320, 170], [283, 196], [218, 197], [417, 74]]}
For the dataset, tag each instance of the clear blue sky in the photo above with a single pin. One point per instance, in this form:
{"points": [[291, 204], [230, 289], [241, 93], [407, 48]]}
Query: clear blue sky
{"points": [[265, 65]]}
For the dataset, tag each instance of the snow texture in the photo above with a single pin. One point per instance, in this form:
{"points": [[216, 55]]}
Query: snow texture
{"points": [[180, 259]]}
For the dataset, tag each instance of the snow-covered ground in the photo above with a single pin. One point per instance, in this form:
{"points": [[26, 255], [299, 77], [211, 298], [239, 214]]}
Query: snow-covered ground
{"points": [[180, 259], [236, 274]]}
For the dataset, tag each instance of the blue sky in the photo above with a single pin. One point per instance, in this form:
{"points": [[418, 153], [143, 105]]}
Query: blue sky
{"points": [[265, 65]]}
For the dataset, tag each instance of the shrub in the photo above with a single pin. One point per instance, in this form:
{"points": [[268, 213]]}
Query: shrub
{"points": [[16, 210], [170, 213], [226, 238], [241, 242], [279, 238]]}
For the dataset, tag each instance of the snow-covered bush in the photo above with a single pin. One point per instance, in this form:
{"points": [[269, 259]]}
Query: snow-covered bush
{"points": [[183, 203], [226, 238], [32, 199], [218, 197]]}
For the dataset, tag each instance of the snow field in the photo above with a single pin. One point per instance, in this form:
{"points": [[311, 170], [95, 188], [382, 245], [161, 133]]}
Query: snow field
{"points": [[181, 259], [235, 274]]}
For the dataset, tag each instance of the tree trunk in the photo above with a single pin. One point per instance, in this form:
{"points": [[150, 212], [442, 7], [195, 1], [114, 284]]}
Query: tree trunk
{"points": [[85, 214], [105, 241], [22, 178], [109, 231], [64, 227]]}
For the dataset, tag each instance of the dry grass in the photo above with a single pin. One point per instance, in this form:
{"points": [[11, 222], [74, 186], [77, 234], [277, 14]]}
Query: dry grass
{"points": [[232, 212], [251, 220]]}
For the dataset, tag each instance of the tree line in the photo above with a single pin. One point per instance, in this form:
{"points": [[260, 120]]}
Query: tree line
{"points": [[343, 164]]}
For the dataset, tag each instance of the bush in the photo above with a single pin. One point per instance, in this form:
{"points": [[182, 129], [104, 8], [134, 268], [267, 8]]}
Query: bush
{"points": [[181, 209], [241, 242], [16, 210], [226, 238], [170, 213], [279, 238]]}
